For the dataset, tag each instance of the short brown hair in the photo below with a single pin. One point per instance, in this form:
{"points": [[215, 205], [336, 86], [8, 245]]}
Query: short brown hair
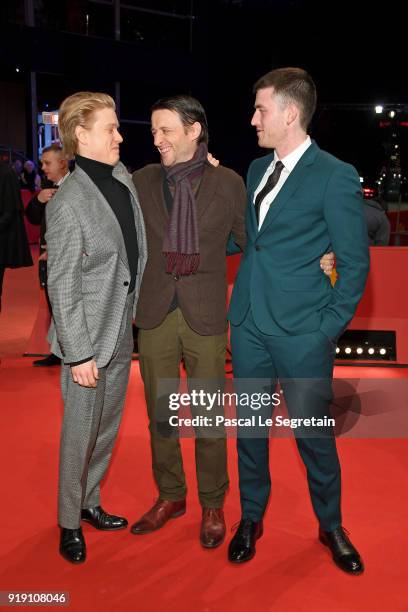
{"points": [[292, 85], [54, 147], [78, 110]]}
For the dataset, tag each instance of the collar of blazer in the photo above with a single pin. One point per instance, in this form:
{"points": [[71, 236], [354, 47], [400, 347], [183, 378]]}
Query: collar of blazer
{"points": [[291, 184], [107, 223], [208, 186]]}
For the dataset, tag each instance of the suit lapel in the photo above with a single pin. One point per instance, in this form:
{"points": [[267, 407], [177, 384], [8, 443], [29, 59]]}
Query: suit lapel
{"points": [[257, 174], [207, 189], [121, 174], [156, 188], [290, 186], [107, 221]]}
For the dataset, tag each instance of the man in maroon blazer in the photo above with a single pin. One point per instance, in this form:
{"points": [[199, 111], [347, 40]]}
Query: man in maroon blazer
{"points": [[191, 209]]}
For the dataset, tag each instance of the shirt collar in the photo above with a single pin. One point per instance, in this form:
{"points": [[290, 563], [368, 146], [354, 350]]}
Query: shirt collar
{"points": [[62, 179], [290, 160]]}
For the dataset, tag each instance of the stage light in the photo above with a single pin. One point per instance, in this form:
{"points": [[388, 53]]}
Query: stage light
{"points": [[17, 69], [391, 114], [379, 109], [366, 345]]}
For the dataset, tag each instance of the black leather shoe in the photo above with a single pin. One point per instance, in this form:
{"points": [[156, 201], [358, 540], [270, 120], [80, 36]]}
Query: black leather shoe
{"points": [[51, 360], [242, 545], [102, 520], [72, 545], [345, 556]]}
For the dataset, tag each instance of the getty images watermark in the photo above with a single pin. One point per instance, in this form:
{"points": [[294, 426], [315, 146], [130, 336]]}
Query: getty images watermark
{"points": [[254, 401], [356, 408]]}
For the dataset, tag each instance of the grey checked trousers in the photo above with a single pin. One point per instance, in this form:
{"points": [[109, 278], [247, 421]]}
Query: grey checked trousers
{"points": [[90, 426]]}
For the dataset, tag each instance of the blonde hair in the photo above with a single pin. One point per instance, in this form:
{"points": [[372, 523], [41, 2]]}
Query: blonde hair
{"points": [[78, 110]]}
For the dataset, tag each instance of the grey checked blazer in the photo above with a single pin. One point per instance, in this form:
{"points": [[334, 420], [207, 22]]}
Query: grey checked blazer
{"points": [[88, 268]]}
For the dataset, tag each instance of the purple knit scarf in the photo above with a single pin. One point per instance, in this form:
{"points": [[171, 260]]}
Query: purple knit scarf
{"points": [[181, 245]]}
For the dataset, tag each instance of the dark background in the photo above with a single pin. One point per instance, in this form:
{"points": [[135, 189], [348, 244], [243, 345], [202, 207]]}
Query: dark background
{"points": [[214, 50]]}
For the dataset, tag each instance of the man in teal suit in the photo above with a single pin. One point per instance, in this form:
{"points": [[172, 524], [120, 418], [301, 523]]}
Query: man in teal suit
{"points": [[285, 315]]}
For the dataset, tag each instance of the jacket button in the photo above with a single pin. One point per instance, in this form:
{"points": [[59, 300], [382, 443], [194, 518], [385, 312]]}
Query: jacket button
{"points": [[257, 247], [126, 283], [176, 277]]}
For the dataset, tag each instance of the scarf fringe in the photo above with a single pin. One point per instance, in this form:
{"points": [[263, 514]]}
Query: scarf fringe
{"points": [[182, 263]]}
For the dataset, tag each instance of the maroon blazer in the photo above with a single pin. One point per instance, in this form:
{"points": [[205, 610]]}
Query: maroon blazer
{"points": [[221, 202]]}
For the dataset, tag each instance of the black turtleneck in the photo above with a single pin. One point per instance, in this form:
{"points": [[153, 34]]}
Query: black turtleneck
{"points": [[118, 197]]}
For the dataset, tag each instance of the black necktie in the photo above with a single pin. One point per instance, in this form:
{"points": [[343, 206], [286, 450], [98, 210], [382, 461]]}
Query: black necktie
{"points": [[270, 184]]}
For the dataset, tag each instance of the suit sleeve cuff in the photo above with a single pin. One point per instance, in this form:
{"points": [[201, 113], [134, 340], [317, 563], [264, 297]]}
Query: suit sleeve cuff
{"points": [[75, 363]]}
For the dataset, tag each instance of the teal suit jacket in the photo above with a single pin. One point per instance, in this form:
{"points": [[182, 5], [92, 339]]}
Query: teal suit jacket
{"points": [[319, 208]]}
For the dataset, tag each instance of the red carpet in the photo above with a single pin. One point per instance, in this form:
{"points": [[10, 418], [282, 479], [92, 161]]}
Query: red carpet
{"points": [[169, 570]]}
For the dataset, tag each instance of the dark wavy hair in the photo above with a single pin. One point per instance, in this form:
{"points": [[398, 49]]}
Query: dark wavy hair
{"points": [[188, 109]]}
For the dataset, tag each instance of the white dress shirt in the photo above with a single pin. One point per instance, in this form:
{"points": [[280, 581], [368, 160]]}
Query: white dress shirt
{"points": [[58, 183], [289, 162]]}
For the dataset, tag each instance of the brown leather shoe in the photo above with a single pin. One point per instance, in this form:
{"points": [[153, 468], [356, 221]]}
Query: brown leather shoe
{"points": [[212, 532], [156, 517]]}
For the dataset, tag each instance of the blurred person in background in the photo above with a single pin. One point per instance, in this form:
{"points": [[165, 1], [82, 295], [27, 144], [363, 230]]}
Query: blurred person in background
{"points": [[30, 178], [14, 249], [17, 166], [378, 225]]}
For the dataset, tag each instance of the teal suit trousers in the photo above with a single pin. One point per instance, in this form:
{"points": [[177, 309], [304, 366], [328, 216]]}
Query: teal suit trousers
{"points": [[304, 365]]}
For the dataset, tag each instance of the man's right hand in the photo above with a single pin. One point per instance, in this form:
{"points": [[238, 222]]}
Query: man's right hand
{"points": [[85, 374], [45, 195]]}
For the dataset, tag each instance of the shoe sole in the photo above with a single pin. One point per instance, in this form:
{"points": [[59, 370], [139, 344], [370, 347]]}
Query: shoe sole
{"points": [[104, 528], [147, 531], [72, 560], [212, 545], [358, 573]]}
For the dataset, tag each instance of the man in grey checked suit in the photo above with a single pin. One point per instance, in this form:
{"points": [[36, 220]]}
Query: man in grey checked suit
{"points": [[96, 257]]}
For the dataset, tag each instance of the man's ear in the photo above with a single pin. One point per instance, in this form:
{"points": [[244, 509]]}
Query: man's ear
{"points": [[81, 134], [195, 130], [292, 113]]}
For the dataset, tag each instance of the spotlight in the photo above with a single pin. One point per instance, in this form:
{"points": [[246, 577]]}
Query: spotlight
{"points": [[379, 109], [17, 69], [391, 114], [366, 345]]}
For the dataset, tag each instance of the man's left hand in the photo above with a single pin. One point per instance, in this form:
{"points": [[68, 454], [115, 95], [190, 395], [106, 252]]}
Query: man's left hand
{"points": [[212, 160], [327, 263], [44, 254]]}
